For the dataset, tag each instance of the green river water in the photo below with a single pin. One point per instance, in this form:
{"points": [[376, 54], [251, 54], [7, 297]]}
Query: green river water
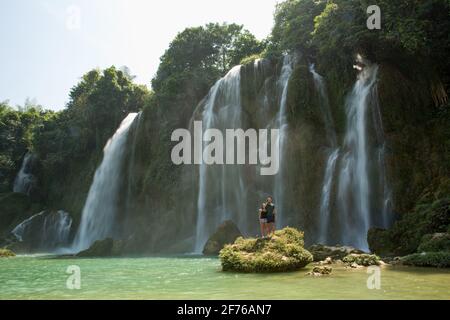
{"points": [[44, 277]]}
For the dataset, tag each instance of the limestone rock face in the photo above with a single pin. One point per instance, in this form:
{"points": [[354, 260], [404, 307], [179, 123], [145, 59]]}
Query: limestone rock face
{"points": [[225, 234], [282, 252], [321, 252]]}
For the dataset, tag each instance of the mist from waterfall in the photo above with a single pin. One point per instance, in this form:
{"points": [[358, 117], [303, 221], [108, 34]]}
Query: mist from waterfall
{"points": [[100, 210], [24, 180]]}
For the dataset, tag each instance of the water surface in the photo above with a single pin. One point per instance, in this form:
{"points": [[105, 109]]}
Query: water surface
{"points": [[41, 277]]}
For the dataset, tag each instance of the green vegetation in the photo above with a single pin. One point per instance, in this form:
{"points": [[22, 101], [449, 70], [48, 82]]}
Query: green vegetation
{"points": [[428, 259], [284, 251]]}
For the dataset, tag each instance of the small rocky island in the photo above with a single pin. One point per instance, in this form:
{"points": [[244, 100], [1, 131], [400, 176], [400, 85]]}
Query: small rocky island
{"points": [[283, 251]]}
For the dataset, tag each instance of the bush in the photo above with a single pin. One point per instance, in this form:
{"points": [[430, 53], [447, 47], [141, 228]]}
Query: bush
{"points": [[283, 252], [428, 259]]}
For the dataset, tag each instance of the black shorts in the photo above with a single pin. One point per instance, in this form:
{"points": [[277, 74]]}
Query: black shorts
{"points": [[270, 219]]}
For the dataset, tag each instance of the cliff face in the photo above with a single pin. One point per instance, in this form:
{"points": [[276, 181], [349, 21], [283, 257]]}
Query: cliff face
{"points": [[163, 204], [404, 157]]}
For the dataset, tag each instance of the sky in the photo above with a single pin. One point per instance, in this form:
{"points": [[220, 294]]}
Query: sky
{"points": [[47, 45]]}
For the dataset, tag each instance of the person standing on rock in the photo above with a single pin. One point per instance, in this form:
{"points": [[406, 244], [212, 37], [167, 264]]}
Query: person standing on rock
{"points": [[271, 213], [263, 219]]}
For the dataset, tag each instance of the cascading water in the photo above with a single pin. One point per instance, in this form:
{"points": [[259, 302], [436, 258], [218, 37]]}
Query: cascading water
{"points": [[360, 207], [333, 154], [100, 209], [223, 182], [20, 229], [24, 180], [226, 192], [282, 124]]}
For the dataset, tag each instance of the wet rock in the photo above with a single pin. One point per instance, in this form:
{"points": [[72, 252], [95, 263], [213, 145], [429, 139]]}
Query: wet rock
{"points": [[225, 234], [101, 248]]}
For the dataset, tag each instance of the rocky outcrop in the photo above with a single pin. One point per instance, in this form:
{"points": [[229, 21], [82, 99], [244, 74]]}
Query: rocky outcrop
{"points": [[321, 252], [284, 251], [225, 234]]}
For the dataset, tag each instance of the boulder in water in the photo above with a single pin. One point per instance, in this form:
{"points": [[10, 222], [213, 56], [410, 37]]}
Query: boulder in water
{"points": [[322, 252], [283, 252], [225, 234], [103, 248], [5, 253]]}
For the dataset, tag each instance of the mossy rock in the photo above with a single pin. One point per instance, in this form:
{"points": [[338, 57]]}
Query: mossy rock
{"points": [[225, 234], [362, 259], [435, 242], [5, 253], [320, 271], [428, 259], [283, 252]]}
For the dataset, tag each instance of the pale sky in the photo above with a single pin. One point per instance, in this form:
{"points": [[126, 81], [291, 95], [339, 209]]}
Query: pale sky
{"points": [[47, 45]]}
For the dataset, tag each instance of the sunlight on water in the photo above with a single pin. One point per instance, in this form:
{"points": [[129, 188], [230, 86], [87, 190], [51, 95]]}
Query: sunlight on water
{"points": [[40, 277]]}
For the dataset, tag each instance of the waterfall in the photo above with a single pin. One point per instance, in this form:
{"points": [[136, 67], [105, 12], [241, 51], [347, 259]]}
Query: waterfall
{"points": [[282, 124], [100, 209], [358, 189], [56, 230], [233, 192], [24, 180], [222, 183], [333, 154]]}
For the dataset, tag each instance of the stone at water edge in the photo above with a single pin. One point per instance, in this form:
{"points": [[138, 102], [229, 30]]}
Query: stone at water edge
{"points": [[225, 234], [5, 253], [283, 252]]}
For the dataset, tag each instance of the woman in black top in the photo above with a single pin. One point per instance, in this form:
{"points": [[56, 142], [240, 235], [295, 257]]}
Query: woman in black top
{"points": [[263, 219]]}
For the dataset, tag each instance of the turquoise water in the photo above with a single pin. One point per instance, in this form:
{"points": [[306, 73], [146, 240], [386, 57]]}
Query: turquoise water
{"points": [[201, 278]]}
